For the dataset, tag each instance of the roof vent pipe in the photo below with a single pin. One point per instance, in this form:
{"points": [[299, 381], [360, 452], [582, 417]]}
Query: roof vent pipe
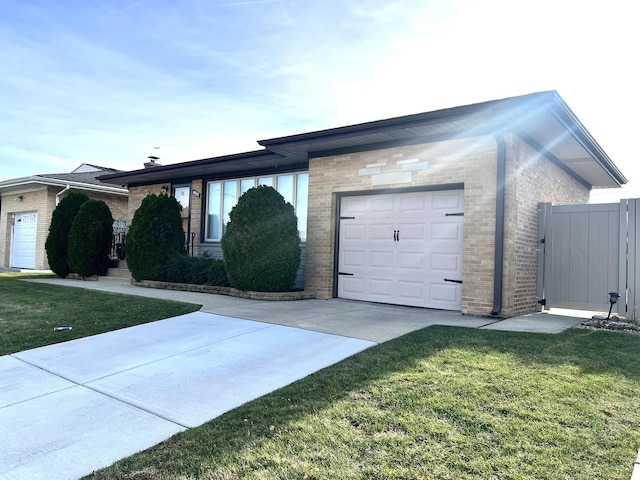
{"points": [[65, 189], [499, 236]]}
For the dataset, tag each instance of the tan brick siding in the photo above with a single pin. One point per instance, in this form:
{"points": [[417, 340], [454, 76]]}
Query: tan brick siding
{"points": [[137, 194], [32, 201], [470, 161], [531, 179]]}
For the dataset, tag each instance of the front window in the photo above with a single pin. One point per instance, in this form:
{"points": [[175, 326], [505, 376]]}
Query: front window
{"points": [[222, 197]]}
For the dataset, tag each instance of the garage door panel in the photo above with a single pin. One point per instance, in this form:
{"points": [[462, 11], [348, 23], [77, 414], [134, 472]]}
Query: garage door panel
{"points": [[446, 262], [413, 204], [380, 287], [381, 231], [353, 258], [381, 259], [354, 206], [448, 231], [444, 292], [413, 291], [355, 232], [382, 204], [411, 231], [411, 260], [447, 201], [353, 286]]}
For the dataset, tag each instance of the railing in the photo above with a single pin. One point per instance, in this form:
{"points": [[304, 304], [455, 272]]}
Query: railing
{"points": [[117, 246], [117, 241]]}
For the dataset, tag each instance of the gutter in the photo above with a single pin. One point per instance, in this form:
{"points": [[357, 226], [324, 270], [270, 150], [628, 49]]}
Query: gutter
{"points": [[67, 188], [499, 235], [26, 181]]}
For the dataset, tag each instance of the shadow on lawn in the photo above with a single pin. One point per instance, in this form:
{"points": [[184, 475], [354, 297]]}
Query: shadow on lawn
{"points": [[591, 351]]}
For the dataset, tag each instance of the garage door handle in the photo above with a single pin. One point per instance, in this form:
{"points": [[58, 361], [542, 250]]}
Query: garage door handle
{"points": [[396, 235], [453, 281]]}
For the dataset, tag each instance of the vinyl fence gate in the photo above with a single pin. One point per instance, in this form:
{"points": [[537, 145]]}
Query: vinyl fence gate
{"points": [[587, 251]]}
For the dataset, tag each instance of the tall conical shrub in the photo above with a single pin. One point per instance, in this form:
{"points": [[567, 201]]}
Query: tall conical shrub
{"points": [[57, 239], [90, 239], [154, 237], [261, 244]]}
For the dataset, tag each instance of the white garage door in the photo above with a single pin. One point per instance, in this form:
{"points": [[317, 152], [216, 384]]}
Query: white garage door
{"points": [[402, 248], [23, 240]]}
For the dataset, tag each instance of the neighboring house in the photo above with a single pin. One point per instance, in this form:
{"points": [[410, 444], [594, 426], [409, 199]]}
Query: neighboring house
{"points": [[27, 204], [437, 209]]}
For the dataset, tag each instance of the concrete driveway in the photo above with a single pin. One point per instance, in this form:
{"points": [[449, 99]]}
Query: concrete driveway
{"points": [[74, 407]]}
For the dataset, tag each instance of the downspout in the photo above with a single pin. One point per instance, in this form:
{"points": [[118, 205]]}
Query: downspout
{"points": [[499, 236], [68, 187]]}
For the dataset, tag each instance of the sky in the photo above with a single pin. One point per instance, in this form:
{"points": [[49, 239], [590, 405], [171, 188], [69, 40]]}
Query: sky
{"points": [[112, 82]]}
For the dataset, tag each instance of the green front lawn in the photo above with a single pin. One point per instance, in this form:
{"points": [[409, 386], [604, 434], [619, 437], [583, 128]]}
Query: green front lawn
{"points": [[441, 403], [30, 311]]}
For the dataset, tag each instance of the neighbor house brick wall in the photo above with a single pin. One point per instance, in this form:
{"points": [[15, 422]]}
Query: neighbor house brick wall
{"points": [[36, 201], [471, 161], [531, 179]]}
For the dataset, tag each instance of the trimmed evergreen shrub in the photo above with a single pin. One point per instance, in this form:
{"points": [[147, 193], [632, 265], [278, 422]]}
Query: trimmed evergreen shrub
{"points": [[90, 239], [261, 243], [217, 273], [202, 270], [155, 236], [58, 237]]}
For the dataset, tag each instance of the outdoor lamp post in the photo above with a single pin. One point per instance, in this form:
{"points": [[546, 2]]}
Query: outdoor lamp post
{"points": [[613, 299]]}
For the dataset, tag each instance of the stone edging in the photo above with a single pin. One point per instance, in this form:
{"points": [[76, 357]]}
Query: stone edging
{"points": [[232, 292]]}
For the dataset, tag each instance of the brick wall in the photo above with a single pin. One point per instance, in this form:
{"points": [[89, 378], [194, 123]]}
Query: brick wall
{"points": [[137, 194], [43, 201], [470, 161], [32, 201], [531, 178]]}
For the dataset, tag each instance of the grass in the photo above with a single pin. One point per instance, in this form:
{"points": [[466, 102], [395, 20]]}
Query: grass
{"points": [[30, 311], [441, 403]]}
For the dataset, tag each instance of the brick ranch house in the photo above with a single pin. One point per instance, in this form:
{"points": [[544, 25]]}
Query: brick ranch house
{"points": [[27, 204], [436, 209]]}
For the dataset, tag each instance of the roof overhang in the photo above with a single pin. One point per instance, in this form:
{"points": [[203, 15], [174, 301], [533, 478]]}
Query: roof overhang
{"points": [[34, 182], [543, 119], [221, 167]]}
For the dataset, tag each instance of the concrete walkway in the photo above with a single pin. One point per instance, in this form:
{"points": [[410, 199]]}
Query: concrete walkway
{"points": [[367, 321], [74, 407]]}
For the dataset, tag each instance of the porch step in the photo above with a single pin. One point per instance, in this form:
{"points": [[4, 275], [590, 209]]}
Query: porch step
{"points": [[119, 273], [120, 280]]}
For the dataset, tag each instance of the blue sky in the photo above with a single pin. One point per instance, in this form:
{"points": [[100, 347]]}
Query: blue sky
{"points": [[104, 82]]}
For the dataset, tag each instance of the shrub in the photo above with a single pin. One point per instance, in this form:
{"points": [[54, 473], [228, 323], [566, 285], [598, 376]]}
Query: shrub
{"points": [[261, 244], [90, 239], [201, 270], [155, 236], [58, 237]]}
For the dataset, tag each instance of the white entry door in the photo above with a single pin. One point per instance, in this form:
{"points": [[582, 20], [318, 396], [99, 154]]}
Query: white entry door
{"points": [[23, 240], [403, 248]]}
